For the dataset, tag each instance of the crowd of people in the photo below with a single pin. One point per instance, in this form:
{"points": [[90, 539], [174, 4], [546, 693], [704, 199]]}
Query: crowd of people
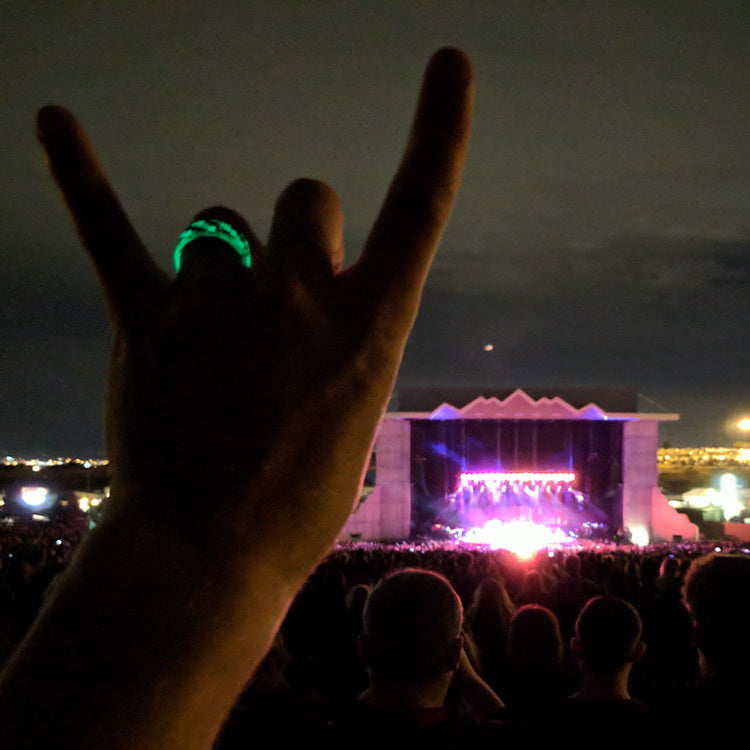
{"points": [[597, 645], [594, 641], [32, 555]]}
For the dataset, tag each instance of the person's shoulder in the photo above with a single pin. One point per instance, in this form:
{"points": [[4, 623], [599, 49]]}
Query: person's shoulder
{"points": [[595, 724], [699, 713]]}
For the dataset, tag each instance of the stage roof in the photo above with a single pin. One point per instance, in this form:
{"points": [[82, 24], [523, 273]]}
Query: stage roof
{"points": [[534, 403]]}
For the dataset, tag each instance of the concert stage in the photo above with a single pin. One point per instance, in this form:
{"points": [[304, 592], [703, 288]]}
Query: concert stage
{"points": [[575, 466]]}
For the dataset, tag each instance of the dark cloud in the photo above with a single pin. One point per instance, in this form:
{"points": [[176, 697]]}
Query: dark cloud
{"points": [[600, 236], [664, 315]]}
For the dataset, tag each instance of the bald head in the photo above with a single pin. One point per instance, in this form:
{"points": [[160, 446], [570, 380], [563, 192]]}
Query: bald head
{"points": [[608, 633], [412, 626]]}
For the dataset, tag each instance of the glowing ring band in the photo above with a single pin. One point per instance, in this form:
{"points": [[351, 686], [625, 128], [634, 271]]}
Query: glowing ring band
{"points": [[217, 230]]}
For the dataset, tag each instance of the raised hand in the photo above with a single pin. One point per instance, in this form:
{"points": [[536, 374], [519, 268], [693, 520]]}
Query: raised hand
{"points": [[241, 410], [226, 378]]}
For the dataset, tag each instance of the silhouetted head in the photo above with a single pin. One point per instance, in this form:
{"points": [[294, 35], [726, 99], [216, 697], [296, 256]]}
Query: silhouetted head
{"points": [[608, 633], [491, 597], [573, 566], [412, 627], [670, 567], [534, 586], [717, 594], [535, 641]]}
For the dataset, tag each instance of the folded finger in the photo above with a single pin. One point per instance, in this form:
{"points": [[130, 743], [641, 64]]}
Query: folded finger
{"points": [[215, 233], [217, 258], [307, 231]]}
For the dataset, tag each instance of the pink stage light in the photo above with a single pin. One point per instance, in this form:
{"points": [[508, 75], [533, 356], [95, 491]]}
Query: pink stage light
{"points": [[523, 538], [497, 477]]}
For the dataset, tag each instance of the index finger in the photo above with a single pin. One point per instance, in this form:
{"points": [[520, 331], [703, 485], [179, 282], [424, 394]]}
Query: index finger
{"points": [[404, 238]]}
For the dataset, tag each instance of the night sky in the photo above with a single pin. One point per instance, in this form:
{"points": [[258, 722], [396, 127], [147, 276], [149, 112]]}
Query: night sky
{"points": [[601, 236]]}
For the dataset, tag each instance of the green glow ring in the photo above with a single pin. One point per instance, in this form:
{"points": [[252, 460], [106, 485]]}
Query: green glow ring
{"points": [[217, 230]]}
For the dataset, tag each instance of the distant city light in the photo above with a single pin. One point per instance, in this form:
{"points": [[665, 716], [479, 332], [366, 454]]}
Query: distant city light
{"points": [[34, 496], [490, 347], [729, 499], [708, 456], [744, 424], [36, 464], [701, 497]]}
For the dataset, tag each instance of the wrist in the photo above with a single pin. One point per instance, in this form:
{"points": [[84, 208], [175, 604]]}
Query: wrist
{"points": [[146, 624]]}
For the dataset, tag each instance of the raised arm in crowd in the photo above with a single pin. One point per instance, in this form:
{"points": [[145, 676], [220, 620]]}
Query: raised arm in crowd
{"points": [[272, 372]]}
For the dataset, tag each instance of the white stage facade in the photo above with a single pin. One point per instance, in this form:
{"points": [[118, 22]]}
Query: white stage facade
{"points": [[508, 456]]}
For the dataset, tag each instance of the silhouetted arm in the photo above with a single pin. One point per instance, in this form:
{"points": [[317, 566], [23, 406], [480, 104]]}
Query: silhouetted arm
{"points": [[482, 699], [225, 388]]}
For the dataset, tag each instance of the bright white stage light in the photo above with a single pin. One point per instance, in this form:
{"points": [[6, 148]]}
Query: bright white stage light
{"points": [[639, 536], [523, 538]]}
